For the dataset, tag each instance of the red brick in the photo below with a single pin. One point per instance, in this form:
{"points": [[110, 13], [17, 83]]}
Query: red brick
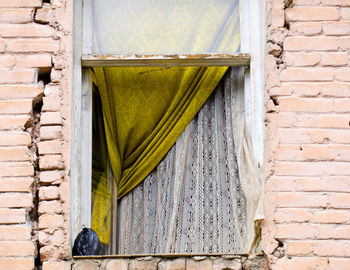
{"points": [[52, 90], [33, 45], [345, 13], [177, 264], [301, 263], [220, 263], [293, 215], [344, 43], [314, 104], [16, 200], [50, 207], [17, 263], [339, 263], [334, 232], [311, 89], [44, 14], [51, 104], [14, 138], [277, 18], [60, 265], [91, 265], [339, 200], [15, 169], [22, 184], [336, 28], [343, 74], [312, 14], [50, 147], [50, 221], [13, 122], [7, 60], [26, 30], [296, 231], [299, 248], [20, 91], [344, 3], [119, 264], [16, 248], [51, 162], [55, 75], [290, 136], [15, 106], [16, 15], [20, 3], [47, 177], [48, 193], [306, 2], [297, 200], [302, 59], [20, 153], [307, 74], [322, 121], [17, 76], [14, 232], [312, 168], [305, 28], [334, 59], [50, 252], [328, 184], [50, 132], [35, 60], [337, 183], [12, 216], [50, 118], [305, 152], [310, 44], [332, 248]]}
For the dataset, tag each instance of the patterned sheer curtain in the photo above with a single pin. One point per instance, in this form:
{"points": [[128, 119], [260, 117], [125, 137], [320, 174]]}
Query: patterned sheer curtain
{"points": [[193, 201]]}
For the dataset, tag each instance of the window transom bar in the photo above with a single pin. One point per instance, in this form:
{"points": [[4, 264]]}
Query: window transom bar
{"points": [[138, 60]]}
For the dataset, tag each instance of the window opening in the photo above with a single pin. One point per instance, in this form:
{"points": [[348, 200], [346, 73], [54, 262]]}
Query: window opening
{"points": [[90, 60]]}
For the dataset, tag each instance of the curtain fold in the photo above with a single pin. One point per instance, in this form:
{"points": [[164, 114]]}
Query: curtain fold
{"points": [[193, 201], [145, 110]]}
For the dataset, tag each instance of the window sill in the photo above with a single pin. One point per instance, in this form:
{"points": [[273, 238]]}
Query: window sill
{"points": [[172, 261]]}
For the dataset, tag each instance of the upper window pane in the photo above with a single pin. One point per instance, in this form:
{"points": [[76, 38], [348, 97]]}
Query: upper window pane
{"points": [[165, 26]]}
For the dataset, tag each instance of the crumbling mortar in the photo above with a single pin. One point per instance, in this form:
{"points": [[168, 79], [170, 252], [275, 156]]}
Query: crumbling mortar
{"points": [[34, 127], [274, 66]]}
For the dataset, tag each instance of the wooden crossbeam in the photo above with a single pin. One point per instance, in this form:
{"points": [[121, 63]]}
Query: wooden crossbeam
{"points": [[136, 60]]}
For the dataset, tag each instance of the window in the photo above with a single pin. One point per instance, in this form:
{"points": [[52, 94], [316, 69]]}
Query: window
{"points": [[87, 44]]}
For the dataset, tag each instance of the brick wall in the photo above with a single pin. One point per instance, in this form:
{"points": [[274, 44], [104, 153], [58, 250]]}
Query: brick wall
{"points": [[35, 59], [307, 172], [307, 152]]}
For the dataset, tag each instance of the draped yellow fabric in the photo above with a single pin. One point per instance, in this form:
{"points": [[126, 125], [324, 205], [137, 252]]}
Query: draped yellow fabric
{"points": [[145, 110], [101, 195]]}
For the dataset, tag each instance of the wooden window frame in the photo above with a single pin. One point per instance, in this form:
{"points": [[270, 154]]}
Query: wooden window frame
{"points": [[252, 29]]}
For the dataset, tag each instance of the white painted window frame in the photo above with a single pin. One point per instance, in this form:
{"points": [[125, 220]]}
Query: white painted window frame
{"points": [[252, 27]]}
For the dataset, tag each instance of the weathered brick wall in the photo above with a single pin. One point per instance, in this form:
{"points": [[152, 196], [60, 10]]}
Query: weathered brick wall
{"points": [[35, 60], [307, 172]]}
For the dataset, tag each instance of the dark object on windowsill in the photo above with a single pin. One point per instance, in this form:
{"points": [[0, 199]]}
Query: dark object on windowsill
{"points": [[86, 243]]}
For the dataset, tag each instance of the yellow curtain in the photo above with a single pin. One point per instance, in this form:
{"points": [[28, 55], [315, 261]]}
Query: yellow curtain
{"points": [[101, 195], [145, 110]]}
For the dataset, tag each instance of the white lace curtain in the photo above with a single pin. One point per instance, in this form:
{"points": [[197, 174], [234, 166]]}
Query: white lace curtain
{"points": [[194, 201]]}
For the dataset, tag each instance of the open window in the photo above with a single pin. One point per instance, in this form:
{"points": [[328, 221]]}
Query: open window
{"points": [[122, 43]]}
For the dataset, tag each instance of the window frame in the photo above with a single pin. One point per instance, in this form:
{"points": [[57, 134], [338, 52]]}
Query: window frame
{"points": [[252, 29]]}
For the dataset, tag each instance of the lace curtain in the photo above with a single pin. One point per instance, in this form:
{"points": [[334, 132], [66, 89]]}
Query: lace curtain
{"points": [[193, 201]]}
